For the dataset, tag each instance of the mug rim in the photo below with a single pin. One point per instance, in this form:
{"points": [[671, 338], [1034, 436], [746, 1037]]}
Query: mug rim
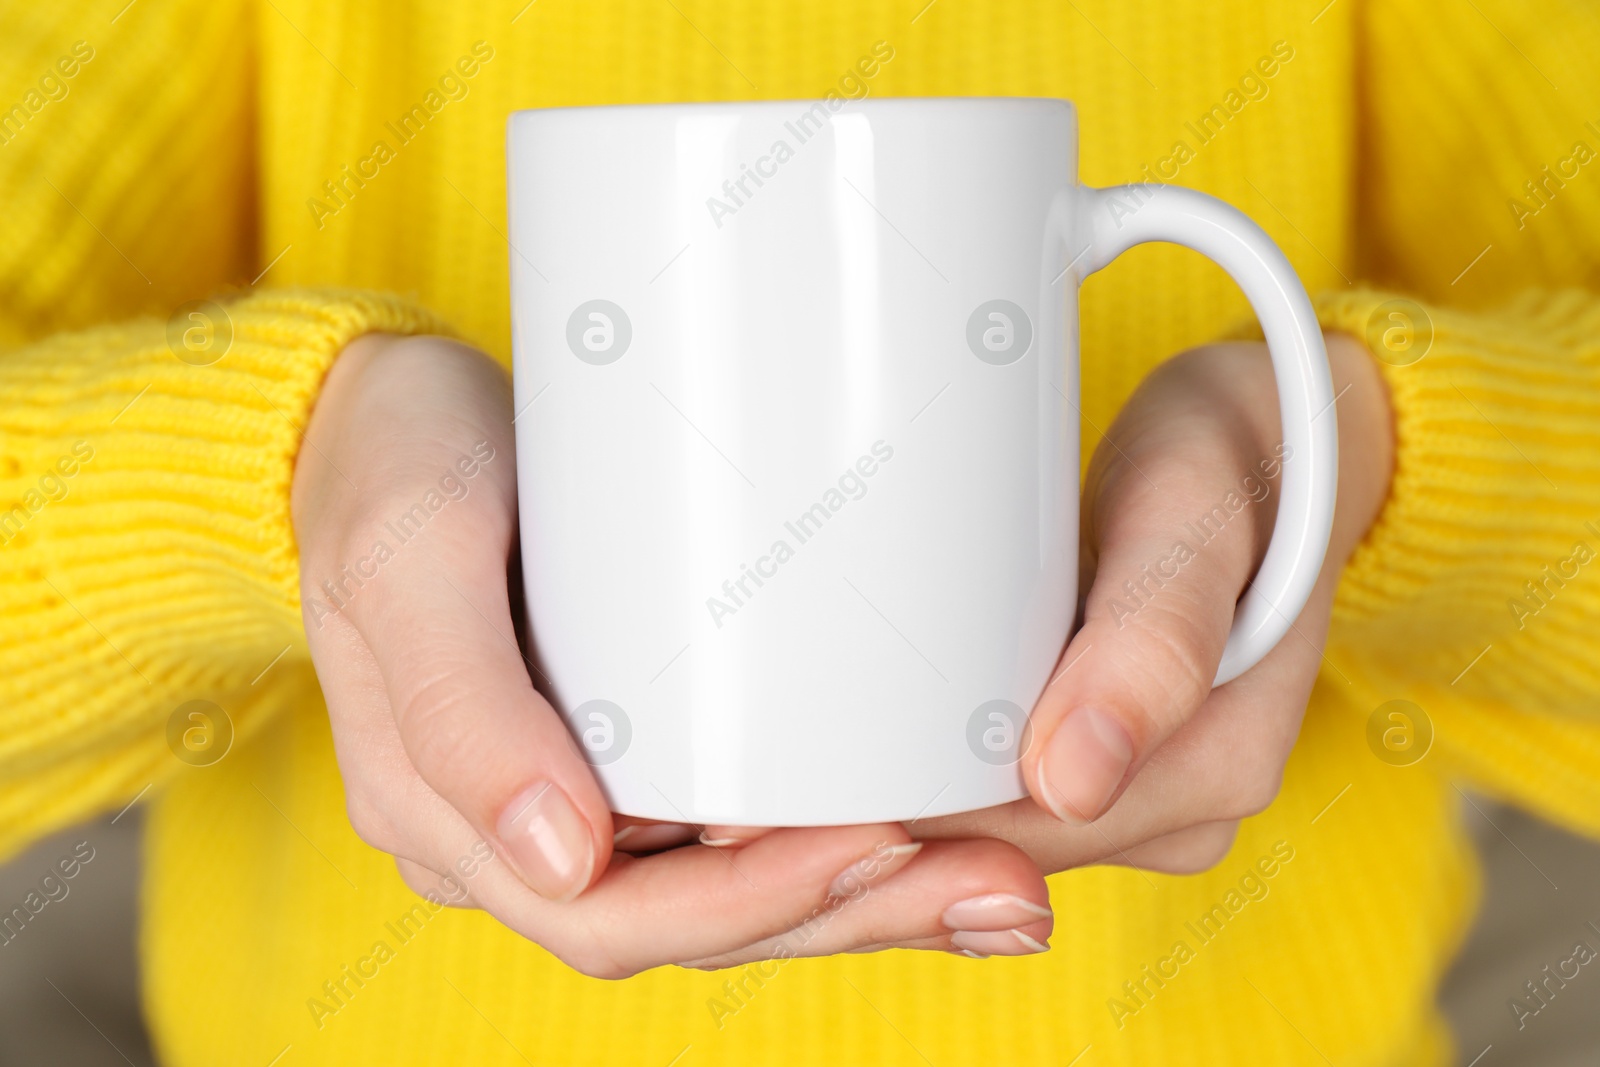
{"points": [[874, 103]]}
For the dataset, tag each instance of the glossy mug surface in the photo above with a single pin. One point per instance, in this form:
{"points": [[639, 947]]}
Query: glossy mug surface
{"points": [[797, 441]]}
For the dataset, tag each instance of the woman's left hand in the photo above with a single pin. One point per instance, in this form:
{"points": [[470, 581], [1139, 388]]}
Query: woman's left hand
{"points": [[1135, 759]]}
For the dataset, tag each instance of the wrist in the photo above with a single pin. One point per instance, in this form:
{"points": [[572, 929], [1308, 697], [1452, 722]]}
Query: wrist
{"points": [[1366, 440], [331, 412]]}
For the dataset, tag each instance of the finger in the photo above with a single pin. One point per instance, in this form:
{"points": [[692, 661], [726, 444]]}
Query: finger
{"points": [[639, 836], [697, 901], [389, 806], [1188, 851], [437, 620], [1248, 727], [719, 835], [437, 853], [1176, 535], [430, 884], [478, 733], [978, 896]]}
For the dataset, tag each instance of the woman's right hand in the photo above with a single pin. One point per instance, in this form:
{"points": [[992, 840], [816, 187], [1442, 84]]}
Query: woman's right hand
{"points": [[404, 506]]}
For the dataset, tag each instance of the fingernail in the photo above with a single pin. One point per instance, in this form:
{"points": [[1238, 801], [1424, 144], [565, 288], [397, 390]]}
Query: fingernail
{"points": [[994, 911], [650, 837], [997, 942], [720, 836], [1082, 765], [548, 842], [873, 867], [967, 952]]}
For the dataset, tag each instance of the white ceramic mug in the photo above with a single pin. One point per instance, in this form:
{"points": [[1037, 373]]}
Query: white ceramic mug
{"points": [[797, 440]]}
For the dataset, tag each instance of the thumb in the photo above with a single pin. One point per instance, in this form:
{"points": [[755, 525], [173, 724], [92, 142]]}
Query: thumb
{"points": [[473, 725], [1172, 563], [415, 547], [437, 621]]}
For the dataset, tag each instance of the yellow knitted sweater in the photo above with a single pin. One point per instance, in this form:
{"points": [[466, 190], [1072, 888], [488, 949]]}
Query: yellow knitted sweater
{"points": [[184, 150]]}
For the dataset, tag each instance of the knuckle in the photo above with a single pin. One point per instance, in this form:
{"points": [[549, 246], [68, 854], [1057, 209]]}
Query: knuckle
{"points": [[436, 732], [585, 949], [416, 878], [1195, 852], [442, 889], [1177, 641], [1212, 850], [593, 963], [370, 824], [1253, 792], [1169, 673]]}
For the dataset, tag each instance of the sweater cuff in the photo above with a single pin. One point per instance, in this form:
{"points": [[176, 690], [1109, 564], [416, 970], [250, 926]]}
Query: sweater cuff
{"points": [[146, 552], [1494, 488], [283, 345]]}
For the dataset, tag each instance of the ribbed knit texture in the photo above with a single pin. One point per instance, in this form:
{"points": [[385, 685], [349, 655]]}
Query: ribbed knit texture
{"points": [[146, 554], [188, 158]]}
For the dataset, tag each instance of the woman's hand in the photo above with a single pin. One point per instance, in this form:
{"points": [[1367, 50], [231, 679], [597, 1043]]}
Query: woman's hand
{"points": [[1135, 759], [404, 505]]}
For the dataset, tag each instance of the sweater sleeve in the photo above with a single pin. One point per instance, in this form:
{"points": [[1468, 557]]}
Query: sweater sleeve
{"points": [[147, 560], [127, 159], [148, 590], [1476, 594]]}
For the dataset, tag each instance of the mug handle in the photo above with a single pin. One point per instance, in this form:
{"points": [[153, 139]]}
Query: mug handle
{"points": [[1115, 219]]}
